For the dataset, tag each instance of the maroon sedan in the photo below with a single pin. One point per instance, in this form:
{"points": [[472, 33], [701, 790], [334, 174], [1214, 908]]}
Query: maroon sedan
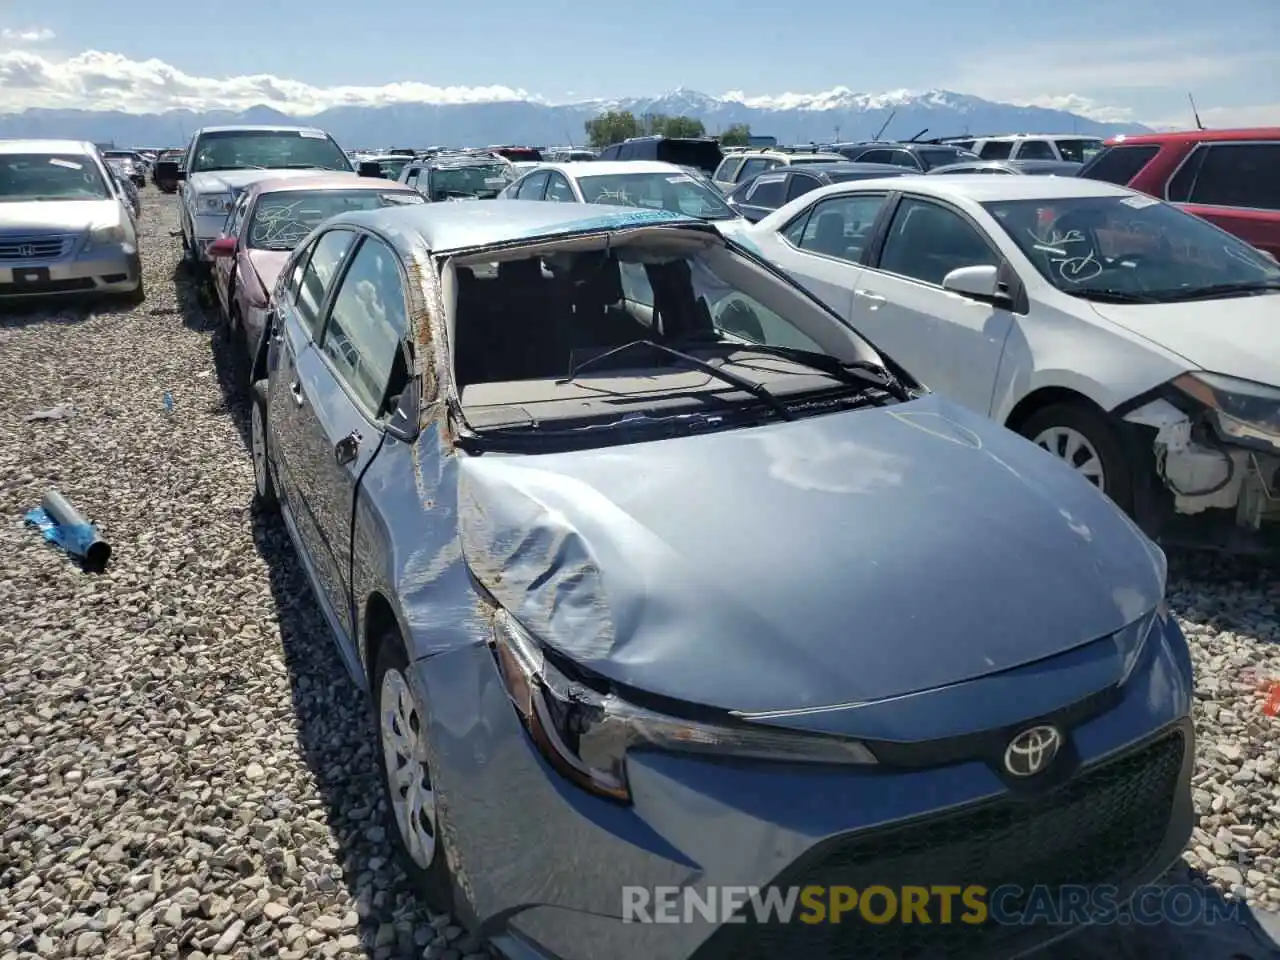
{"points": [[271, 217]]}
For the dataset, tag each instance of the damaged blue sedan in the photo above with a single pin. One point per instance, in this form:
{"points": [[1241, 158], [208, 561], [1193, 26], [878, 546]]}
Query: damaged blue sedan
{"points": [[674, 596]]}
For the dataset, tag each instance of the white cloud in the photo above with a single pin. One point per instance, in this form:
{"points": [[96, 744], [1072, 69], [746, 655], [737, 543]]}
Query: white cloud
{"points": [[108, 81], [1254, 115], [32, 35], [1081, 106]]}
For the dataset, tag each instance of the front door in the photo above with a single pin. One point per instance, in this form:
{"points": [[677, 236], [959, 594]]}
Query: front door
{"points": [[300, 311], [351, 376], [951, 342]]}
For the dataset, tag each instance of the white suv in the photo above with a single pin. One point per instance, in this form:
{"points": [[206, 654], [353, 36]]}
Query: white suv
{"points": [[1034, 146]]}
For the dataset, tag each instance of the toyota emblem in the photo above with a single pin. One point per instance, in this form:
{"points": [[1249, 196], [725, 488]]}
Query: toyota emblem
{"points": [[1032, 750], [26, 251]]}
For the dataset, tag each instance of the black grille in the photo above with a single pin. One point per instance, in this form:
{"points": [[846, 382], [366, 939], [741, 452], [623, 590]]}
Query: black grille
{"points": [[1103, 827]]}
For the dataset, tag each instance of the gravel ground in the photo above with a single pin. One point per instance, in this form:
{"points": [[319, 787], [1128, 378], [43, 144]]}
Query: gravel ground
{"points": [[185, 769]]}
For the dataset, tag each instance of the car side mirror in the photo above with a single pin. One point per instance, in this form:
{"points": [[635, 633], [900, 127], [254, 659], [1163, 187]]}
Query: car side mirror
{"points": [[370, 168], [222, 248], [978, 283]]}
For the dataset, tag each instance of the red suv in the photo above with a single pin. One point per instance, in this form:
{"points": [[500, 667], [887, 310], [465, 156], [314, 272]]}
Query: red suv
{"points": [[1229, 177]]}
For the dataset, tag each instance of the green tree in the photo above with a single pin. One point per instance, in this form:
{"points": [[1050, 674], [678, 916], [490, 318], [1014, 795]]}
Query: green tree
{"points": [[684, 127], [738, 135], [612, 126]]}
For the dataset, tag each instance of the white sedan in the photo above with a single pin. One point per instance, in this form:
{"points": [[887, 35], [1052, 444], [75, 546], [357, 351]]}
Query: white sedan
{"points": [[1134, 340], [649, 184]]}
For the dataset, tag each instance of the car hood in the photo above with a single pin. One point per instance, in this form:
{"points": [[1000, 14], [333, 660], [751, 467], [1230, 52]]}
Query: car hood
{"points": [[57, 216], [844, 558], [1238, 336], [231, 181], [268, 264]]}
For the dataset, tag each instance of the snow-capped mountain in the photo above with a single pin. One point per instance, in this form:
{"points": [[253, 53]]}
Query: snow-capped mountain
{"points": [[792, 118]]}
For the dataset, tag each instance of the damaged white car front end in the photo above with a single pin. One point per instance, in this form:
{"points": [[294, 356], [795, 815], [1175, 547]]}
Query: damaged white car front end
{"points": [[1217, 453]]}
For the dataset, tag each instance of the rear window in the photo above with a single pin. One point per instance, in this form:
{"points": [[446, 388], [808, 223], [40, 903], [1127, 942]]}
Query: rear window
{"points": [[1119, 164], [996, 150], [521, 154], [703, 154]]}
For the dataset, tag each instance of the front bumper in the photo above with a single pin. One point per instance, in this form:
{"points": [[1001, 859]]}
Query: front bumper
{"points": [[543, 864], [106, 271]]}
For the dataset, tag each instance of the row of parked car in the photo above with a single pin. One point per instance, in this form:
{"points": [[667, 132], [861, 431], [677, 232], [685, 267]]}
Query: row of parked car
{"points": [[639, 521]]}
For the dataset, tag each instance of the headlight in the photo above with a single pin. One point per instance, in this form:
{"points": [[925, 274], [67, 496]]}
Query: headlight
{"points": [[585, 733], [112, 236], [1243, 411], [214, 203]]}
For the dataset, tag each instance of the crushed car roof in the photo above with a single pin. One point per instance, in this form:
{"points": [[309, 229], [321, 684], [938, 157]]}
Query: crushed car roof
{"points": [[445, 227]]}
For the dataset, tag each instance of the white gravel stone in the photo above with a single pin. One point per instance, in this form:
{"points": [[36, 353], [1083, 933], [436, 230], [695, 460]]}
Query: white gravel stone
{"points": [[185, 769]]}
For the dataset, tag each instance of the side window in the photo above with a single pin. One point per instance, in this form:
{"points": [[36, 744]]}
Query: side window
{"points": [[876, 156], [1179, 189], [927, 241], [1239, 175], [838, 226], [728, 167], [236, 220], [1036, 150], [558, 189], [411, 178], [533, 186], [768, 191], [317, 275], [800, 185], [904, 158], [996, 150], [752, 166], [367, 323]]}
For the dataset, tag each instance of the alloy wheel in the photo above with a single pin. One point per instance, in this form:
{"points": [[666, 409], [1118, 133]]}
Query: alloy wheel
{"points": [[1076, 449], [408, 780]]}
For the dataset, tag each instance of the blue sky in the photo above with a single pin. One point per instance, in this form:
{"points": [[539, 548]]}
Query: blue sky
{"points": [[1133, 59]]}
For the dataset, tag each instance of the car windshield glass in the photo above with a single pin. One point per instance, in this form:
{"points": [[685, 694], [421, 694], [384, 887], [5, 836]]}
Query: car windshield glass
{"points": [[44, 176], [281, 220], [480, 180], [391, 168], [1079, 150], [1131, 248], [268, 150], [941, 156], [676, 191]]}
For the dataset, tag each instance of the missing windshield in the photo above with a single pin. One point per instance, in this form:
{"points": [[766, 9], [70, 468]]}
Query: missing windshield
{"points": [[643, 332]]}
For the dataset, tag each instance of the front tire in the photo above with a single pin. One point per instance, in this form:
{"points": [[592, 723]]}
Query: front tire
{"points": [[264, 486], [412, 811], [1087, 440]]}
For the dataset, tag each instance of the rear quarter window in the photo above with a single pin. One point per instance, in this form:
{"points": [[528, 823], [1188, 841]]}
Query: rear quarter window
{"points": [[1119, 164]]}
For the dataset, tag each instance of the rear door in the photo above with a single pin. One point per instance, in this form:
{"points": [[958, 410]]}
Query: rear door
{"points": [[824, 245], [350, 377], [1236, 186]]}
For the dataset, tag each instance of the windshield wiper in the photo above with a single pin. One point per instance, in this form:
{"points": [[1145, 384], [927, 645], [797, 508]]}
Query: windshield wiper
{"points": [[860, 373], [1219, 290], [743, 384], [1106, 295]]}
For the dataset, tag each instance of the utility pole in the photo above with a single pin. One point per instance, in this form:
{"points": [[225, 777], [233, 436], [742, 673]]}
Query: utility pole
{"points": [[837, 139]]}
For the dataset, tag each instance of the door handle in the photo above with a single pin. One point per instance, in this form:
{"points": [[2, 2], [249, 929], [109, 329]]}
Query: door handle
{"points": [[299, 397], [347, 449], [868, 295]]}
